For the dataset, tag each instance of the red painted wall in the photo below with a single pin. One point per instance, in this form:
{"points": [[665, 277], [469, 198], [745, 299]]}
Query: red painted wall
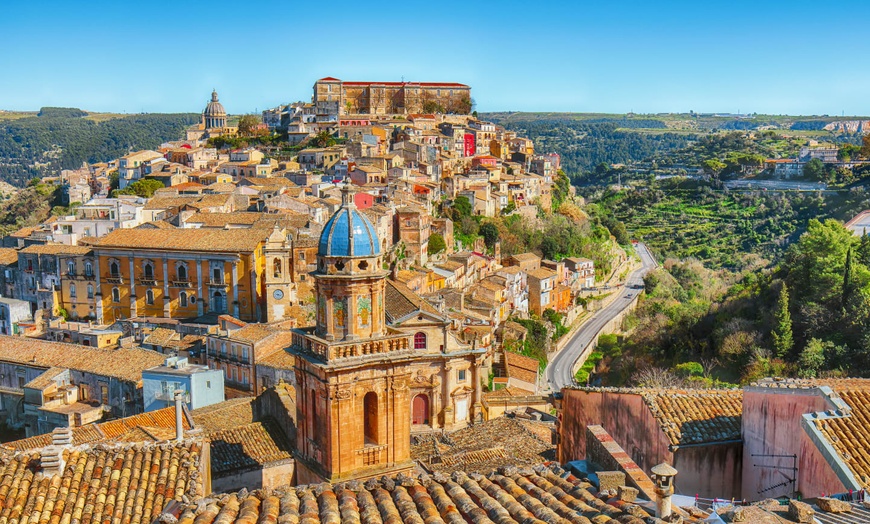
{"points": [[363, 200], [470, 144], [772, 426]]}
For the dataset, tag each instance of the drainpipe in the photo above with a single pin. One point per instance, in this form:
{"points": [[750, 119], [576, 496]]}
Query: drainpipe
{"points": [[179, 427]]}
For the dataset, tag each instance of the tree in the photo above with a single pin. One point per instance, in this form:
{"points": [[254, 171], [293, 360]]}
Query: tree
{"points": [[462, 205], [714, 166], [812, 358], [550, 247], [865, 147], [689, 369], [143, 188], [469, 226], [323, 139], [490, 234], [655, 377], [848, 279], [248, 124], [815, 170], [864, 249], [436, 244], [783, 340]]}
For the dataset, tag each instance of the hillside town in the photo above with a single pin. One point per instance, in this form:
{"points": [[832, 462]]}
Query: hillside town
{"points": [[301, 333]]}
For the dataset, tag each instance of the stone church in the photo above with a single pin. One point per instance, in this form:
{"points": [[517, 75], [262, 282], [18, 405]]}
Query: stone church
{"points": [[379, 365]]}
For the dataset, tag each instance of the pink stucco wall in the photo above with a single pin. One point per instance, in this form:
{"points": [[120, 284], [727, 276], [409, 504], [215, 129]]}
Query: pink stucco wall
{"points": [[772, 426], [710, 471]]}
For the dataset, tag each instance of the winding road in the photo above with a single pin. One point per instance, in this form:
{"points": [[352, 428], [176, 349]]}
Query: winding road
{"points": [[560, 371]]}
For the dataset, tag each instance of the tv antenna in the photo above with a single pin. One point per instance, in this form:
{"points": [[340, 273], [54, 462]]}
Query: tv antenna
{"points": [[788, 480]]}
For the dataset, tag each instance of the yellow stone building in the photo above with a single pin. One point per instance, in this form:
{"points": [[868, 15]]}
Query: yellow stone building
{"points": [[181, 273]]}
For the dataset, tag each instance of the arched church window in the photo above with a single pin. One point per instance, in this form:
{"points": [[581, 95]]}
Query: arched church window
{"points": [[419, 340], [370, 418], [276, 264]]}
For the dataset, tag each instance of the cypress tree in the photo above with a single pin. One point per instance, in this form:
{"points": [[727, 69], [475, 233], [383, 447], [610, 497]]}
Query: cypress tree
{"points": [[783, 340], [848, 283], [864, 249]]}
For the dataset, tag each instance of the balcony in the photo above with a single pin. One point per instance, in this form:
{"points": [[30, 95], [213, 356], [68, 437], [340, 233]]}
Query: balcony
{"points": [[115, 279], [168, 395], [177, 281], [217, 282], [323, 349], [372, 455], [145, 280]]}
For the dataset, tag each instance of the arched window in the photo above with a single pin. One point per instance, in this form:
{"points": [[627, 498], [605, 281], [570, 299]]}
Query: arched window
{"points": [[89, 269], [148, 269], [182, 299], [276, 264], [90, 291], [72, 291], [149, 297], [116, 294], [182, 272], [114, 269], [370, 418], [419, 340], [71, 267]]}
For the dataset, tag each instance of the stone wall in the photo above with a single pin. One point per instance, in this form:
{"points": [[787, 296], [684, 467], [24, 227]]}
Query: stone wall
{"points": [[603, 451]]}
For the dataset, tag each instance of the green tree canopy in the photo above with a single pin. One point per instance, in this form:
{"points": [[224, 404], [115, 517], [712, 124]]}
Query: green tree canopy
{"points": [[462, 205], [436, 244], [815, 170], [248, 124], [144, 188], [783, 340], [490, 234]]}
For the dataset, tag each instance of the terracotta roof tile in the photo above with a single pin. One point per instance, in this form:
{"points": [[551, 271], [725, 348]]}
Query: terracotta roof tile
{"points": [[400, 301], [8, 256], [849, 434], [130, 484], [113, 430], [697, 416], [224, 415], [181, 239], [124, 364], [55, 249], [542, 494], [248, 446]]}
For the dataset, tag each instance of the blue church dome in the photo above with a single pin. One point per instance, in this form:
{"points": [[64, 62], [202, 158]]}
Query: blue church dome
{"points": [[348, 234]]}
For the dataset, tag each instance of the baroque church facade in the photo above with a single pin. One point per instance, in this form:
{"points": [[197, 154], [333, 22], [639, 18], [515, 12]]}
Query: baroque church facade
{"points": [[379, 365]]}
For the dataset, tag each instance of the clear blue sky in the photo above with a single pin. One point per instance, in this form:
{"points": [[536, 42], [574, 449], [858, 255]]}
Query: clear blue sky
{"points": [[766, 56]]}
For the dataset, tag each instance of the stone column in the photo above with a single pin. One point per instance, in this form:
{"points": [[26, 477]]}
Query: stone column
{"points": [[199, 293], [167, 302], [98, 292], [133, 308], [235, 277], [477, 406]]}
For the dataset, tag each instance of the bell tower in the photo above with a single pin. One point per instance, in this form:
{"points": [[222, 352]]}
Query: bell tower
{"points": [[353, 372], [280, 288]]}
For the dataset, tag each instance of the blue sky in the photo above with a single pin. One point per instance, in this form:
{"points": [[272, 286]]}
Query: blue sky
{"points": [[778, 57]]}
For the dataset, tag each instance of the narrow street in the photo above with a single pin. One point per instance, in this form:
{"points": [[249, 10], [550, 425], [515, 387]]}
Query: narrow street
{"points": [[559, 372]]}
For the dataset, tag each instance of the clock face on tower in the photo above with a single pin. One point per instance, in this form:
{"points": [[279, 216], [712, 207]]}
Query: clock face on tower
{"points": [[278, 294]]}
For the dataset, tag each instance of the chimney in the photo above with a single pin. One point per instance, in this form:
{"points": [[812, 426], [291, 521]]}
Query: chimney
{"points": [[179, 426], [663, 476], [52, 461]]}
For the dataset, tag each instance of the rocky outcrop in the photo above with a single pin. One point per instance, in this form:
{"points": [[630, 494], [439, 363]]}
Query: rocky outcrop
{"points": [[833, 505]]}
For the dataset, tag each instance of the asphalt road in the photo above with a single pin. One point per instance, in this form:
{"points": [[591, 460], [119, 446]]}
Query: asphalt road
{"points": [[559, 372]]}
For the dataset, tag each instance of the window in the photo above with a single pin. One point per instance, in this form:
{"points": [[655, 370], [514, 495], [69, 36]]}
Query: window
{"points": [[217, 274], [104, 394], [116, 294], [90, 291], [83, 392], [276, 264], [72, 291], [301, 255], [182, 272], [224, 348], [114, 269], [149, 297], [148, 270], [29, 265], [182, 299], [420, 340], [21, 382], [244, 377], [208, 384], [245, 353], [370, 418], [461, 375], [71, 267], [89, 269]]}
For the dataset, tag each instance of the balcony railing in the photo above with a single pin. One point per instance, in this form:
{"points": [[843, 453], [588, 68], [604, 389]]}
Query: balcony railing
{"points": [[372, 455], [145, 280], [216, 282], [115, 279], [177, 281], [386, 344]]}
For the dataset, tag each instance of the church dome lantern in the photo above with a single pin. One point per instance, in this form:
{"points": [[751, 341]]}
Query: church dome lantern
{"points": [[214, 116]]}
